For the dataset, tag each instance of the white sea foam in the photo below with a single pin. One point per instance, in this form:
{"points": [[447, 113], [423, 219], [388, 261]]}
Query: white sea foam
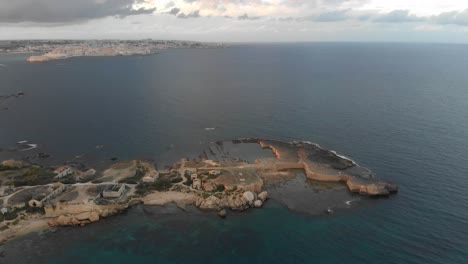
{"points": [[31, 146], [307, 142], [210, 128], [343, 157], [22, 142], [351, 201], [2, 65]]}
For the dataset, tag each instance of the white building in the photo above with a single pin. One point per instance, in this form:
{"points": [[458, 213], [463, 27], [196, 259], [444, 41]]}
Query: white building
{"points": [[196, 184], [4, 210], [152, 177], [114, 192], [63, 171], [214, 172]]}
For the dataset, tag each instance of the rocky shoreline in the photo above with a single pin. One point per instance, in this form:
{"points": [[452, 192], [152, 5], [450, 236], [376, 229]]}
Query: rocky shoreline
{"points": [[35, 197]]}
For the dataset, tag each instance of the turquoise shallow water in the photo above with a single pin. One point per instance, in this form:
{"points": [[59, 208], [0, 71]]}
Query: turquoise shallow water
{"points": [[272, 234], [399, 109]]}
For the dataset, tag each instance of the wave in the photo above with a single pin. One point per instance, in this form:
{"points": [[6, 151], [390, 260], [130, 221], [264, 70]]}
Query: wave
{"points": [[2, 65], [308, 143], [343, 157], [210, 128], [332, 151], [31, 146], [351, 201]]}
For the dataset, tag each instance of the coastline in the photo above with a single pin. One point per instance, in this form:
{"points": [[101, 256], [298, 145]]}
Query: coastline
{"points": [[59, 50], [78, 196]]}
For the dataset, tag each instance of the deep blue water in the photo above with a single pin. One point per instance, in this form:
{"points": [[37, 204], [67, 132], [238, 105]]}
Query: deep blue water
{"points": [[399, 109]]}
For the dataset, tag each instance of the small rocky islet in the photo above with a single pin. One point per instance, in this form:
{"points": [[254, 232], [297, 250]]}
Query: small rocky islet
{"points": [[34, 196]]}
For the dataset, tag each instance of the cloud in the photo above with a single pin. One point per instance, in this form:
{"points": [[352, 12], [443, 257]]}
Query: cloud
{"points": [[194, 14], [247, 17], [170, 4], [174, 11], [333, 16], [455, 18], [67, 11], [398, 16]]}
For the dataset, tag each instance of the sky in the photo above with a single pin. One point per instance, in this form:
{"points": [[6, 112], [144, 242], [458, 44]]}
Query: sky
{"points": [[237, 20]]}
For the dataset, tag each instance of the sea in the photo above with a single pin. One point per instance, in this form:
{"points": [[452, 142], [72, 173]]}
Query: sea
{"points": [[398, 109]]}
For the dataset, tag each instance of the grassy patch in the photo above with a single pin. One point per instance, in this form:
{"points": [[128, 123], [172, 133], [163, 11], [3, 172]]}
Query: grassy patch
{"points": [[176, 180], [13, 214], [220, 188], [7, 168], [139, 174], [34, 176], [189, 179], [162, 184], [70, 179], [211, 177], [122, 165], [34, 210]]}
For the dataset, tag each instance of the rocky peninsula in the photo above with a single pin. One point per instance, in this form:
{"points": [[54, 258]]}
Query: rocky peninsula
{"points": [[34, 196]]}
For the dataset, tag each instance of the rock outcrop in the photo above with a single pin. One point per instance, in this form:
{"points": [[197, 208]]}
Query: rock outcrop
{"points": [[80, 214], [249, 197], [234, 201], [222, 213], [258, 204], [38, 59], [376, 189], [263, 196]]}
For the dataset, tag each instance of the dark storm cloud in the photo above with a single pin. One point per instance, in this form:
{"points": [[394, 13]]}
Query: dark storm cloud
{"points": [[66, 11]]}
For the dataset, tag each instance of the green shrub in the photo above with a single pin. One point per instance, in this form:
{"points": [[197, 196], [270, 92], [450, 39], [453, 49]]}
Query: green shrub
{"points": [[189, 179], [162, 184], [34, 176], [33, 210], [220, 188], [6, 168], [176, 180]]}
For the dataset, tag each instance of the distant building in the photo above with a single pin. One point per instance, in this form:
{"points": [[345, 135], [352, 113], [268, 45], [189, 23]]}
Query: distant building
{"points": [[35, 203], [191, 171], [114, 191], [214, 172], [4, 210], [196, 184], [212, 163], [63, 171], [152, 177], [45, 198], [194, 176]]}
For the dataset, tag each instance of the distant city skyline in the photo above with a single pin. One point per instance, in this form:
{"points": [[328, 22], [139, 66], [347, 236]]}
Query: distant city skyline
{"points": [[237, 20]]}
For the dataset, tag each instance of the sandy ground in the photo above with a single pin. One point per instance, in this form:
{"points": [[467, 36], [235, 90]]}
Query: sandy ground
{"points": [[162, 198]]}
